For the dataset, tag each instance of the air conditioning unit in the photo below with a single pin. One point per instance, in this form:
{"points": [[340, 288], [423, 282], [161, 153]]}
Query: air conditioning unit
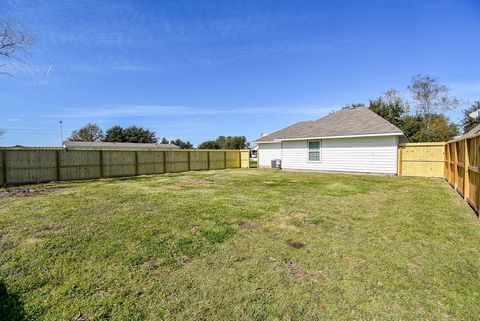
{"points": [[276, 163]]}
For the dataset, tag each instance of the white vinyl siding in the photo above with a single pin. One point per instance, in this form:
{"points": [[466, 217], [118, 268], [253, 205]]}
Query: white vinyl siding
{"points": [[267, 152], [362, 154]]}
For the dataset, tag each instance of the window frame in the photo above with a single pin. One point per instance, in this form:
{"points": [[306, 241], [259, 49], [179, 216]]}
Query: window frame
{"points": [[319, 150]]}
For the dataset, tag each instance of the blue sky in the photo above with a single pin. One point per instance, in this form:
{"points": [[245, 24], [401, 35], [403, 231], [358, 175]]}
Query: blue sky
{"points": [[198, 69]]}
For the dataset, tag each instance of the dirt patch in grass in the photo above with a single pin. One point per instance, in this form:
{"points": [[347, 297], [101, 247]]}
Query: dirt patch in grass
{"points": [[151, 264], [296, 271], [185, 260], [100, 293], [249, 226], [25, 192], [296, 245]]}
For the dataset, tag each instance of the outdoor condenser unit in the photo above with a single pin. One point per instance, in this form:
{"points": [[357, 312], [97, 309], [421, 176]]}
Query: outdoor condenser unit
{"points": [[276, 163]]}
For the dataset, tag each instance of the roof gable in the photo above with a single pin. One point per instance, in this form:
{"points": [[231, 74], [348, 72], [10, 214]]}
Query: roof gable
{"points": [[356, 121]]}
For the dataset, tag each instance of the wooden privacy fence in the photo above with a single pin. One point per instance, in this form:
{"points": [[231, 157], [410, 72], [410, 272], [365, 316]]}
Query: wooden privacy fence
{"points": [[421, 159], [35, 165], [462, 168]]}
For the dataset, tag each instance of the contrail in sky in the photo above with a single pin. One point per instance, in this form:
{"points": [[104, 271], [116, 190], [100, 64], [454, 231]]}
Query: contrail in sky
{"points": [[48, 71]]}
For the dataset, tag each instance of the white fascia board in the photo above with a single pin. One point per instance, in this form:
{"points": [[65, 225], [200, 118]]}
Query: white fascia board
{"points": [[331, 137]]}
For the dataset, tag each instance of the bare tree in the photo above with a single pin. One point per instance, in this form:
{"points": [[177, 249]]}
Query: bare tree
{"points": [[431, 97], [14, 42]]}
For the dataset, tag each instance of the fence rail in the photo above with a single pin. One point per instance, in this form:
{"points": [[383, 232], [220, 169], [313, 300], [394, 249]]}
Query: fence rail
{"points": [[462, 168], [35, 165]]}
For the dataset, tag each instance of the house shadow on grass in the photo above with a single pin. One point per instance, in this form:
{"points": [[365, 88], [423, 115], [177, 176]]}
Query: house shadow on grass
{"points": [[10, 306]]}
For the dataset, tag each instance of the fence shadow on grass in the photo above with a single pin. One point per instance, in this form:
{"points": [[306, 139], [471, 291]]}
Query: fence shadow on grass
{"points": [[10, 305]]}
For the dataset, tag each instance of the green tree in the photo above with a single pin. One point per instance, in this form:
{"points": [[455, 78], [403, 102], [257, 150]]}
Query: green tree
{"points": [[131, 134], [441, 129], [354, 105], [209, 144], [114, 134], [232, 142], [164, 141], [137, 134], [468, 123], [226, 142], [411, 124], [180, 143], [88, 133], [391, 106]]}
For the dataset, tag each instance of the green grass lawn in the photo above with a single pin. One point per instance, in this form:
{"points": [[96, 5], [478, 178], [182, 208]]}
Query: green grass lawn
{"points": [[240, 245]]}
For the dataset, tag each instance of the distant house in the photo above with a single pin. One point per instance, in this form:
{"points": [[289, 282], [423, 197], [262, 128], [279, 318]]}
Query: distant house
{"points": [[349, 140], [475, 131], [253, 152], [83, 145]]}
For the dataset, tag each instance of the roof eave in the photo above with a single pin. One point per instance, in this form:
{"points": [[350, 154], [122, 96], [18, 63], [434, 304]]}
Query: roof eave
{"points": [[278, 140]]}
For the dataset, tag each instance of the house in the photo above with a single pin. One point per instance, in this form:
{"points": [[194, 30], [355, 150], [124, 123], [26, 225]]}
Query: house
{"points": [[107, 145], [349, 140], [253, 152], [475, 131]]}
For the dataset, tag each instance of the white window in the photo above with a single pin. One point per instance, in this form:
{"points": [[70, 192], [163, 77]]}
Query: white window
{"points": [[314, 150]]}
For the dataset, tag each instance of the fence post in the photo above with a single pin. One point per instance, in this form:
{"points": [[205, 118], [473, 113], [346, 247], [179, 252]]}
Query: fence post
{"points": [[208, 160], [101, 163], [4, 164], [136, 163], [164, 162], [399, 160], [466, 177], [58, 164], [240, 158], [225, 160], [188, 155], [455, 162]]}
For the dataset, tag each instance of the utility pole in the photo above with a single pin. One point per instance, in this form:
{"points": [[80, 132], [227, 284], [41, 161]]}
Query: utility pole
{"points": [[61, 133]]}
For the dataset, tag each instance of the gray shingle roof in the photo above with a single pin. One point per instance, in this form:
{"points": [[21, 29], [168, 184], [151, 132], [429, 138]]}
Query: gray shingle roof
{"points": [[345, 122], [70, 144], [471, 133]]}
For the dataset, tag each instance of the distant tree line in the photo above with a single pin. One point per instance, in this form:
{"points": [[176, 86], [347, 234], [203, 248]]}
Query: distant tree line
{"points": [[135, 134], [429, 101], [118, 134], [226, 142]]}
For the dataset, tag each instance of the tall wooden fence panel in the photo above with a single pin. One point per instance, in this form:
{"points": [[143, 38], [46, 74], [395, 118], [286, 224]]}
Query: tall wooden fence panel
{"points": [[421, 159], [35, 165], [462, 168]]}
